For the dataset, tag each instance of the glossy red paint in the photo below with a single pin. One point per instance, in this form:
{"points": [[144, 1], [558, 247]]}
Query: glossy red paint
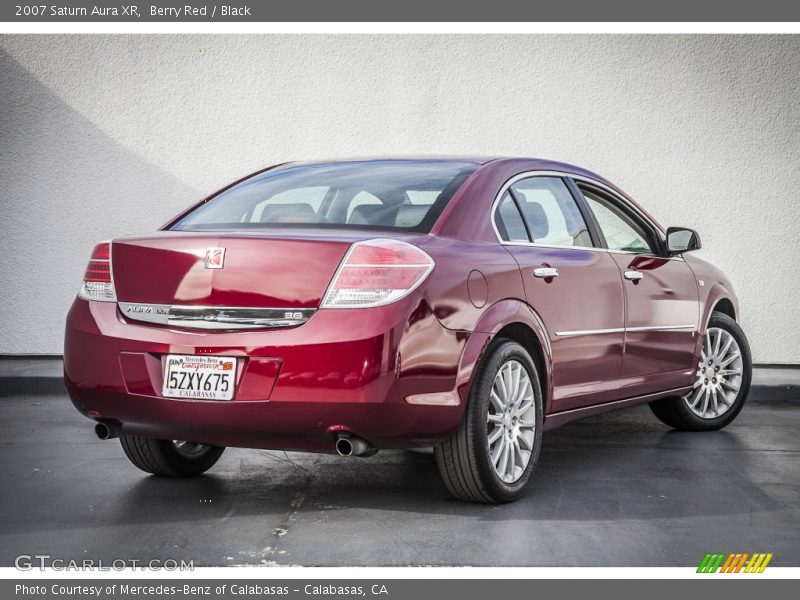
{"points": [[658, 359], [294, 385], [397, 375], [168, 268], [587, 295]]}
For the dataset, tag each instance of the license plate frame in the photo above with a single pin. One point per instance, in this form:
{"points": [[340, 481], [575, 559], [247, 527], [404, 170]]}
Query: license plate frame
{"points": [[199, 377]]}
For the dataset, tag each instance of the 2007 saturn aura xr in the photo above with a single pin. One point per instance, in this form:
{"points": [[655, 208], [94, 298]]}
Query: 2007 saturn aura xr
{"points": [[347, 306]]}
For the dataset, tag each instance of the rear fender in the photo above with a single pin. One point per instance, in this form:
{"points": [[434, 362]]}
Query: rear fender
{"points": [[492, 321]]}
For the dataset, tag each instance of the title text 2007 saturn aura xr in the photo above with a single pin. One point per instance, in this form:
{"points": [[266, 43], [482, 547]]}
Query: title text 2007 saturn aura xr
{"points": [[461, 303]]}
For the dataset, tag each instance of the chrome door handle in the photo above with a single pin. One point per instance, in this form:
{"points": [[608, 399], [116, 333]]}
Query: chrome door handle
{"points": [[633, 275], [545, 272]]}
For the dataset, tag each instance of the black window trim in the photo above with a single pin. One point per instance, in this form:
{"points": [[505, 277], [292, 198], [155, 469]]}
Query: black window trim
{"points": [[517, 202]]}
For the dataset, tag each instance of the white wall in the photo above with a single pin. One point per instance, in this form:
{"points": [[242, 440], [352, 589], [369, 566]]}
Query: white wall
{"points": [[104, 135]]}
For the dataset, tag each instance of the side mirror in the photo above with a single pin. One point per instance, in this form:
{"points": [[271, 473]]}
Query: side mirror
{"points": [[682, 239]]}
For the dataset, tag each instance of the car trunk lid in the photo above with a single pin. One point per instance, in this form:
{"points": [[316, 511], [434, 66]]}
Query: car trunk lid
{"points": [[226, 270]]}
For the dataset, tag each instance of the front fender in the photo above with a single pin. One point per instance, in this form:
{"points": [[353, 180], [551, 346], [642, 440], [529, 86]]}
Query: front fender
{"points": [[718, 292], [712, 286]]}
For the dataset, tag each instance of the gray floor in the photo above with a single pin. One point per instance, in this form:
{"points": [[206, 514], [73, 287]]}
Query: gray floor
{"points": [[619, 489]]}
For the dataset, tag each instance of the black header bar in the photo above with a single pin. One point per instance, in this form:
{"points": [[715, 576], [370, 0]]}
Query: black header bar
{"points": [[408, 10]]}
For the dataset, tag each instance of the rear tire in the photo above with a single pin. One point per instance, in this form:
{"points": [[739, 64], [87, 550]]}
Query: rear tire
{"points": [[472, 462], [728, 383], [170, 458]]}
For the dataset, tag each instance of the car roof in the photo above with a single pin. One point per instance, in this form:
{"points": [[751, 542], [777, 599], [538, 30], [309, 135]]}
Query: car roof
{"points": [[478, 160], [532, 164]]}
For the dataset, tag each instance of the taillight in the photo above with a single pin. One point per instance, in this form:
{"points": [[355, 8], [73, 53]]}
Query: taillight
{"points": [[98, 283], [377, 272]]}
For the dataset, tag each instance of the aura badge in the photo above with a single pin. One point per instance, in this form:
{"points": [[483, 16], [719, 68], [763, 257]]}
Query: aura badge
{"points": [[736, 562], [215, 258]]}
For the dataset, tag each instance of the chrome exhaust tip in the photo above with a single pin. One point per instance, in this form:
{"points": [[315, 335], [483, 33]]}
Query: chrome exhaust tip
{"points": [[348, 445], [344, 447], [106, 431]]}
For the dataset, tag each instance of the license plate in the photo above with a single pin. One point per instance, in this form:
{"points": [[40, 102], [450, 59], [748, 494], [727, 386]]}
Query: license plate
{"points": [[199, 377]]}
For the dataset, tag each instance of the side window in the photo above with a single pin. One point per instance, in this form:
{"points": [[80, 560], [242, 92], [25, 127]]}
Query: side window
{"points": [[509, 221], [551, 213], [619, 229]]}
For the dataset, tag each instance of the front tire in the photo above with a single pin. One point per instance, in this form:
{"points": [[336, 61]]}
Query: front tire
{"points": [[170, 458], [492, 456], [721, 384]]}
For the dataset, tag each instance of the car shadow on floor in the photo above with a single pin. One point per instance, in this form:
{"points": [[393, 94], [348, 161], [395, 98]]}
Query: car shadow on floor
{"points": [[607, 469], [587, 472]]}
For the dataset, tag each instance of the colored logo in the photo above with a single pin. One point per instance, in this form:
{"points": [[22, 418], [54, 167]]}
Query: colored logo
{"points": [[215, 258], [738, 562]]}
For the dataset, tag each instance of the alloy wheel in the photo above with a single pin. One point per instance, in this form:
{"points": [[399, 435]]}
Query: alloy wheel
{"points": [[719, 375], [511, 421], [190, 449]]}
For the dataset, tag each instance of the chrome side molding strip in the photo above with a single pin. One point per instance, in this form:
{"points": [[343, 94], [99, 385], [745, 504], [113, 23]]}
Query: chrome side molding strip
{"points": [[590, 332], [691, 328], [663, 328], [215, 317]]}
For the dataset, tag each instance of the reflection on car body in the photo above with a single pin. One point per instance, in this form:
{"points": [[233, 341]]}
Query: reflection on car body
{"points": [[461, 303]]}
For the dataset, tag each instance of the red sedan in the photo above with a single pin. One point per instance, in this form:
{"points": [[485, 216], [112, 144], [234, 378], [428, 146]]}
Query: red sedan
{"points": [[461, 303]]}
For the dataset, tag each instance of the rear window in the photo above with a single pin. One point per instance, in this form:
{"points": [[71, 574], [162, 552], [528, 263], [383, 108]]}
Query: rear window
{"points": [[404, 195]]}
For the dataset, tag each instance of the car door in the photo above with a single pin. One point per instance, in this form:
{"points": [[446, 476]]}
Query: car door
{"points": [[661, 297], [573, 286]]}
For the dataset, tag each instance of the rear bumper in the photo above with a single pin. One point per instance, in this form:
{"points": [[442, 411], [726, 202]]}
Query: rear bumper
{"points": [[387, 374]]}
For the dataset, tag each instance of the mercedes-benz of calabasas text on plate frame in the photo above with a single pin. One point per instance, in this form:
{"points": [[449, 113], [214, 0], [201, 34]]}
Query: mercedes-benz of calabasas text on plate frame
{"points": [[461, 303]]}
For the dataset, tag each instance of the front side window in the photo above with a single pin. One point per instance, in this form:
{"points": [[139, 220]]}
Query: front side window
{"points": [[620, 230], [551, 214], [379, 194]]}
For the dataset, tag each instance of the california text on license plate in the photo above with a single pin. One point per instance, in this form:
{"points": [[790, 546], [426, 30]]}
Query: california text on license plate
{"points": [[201, 377]]}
